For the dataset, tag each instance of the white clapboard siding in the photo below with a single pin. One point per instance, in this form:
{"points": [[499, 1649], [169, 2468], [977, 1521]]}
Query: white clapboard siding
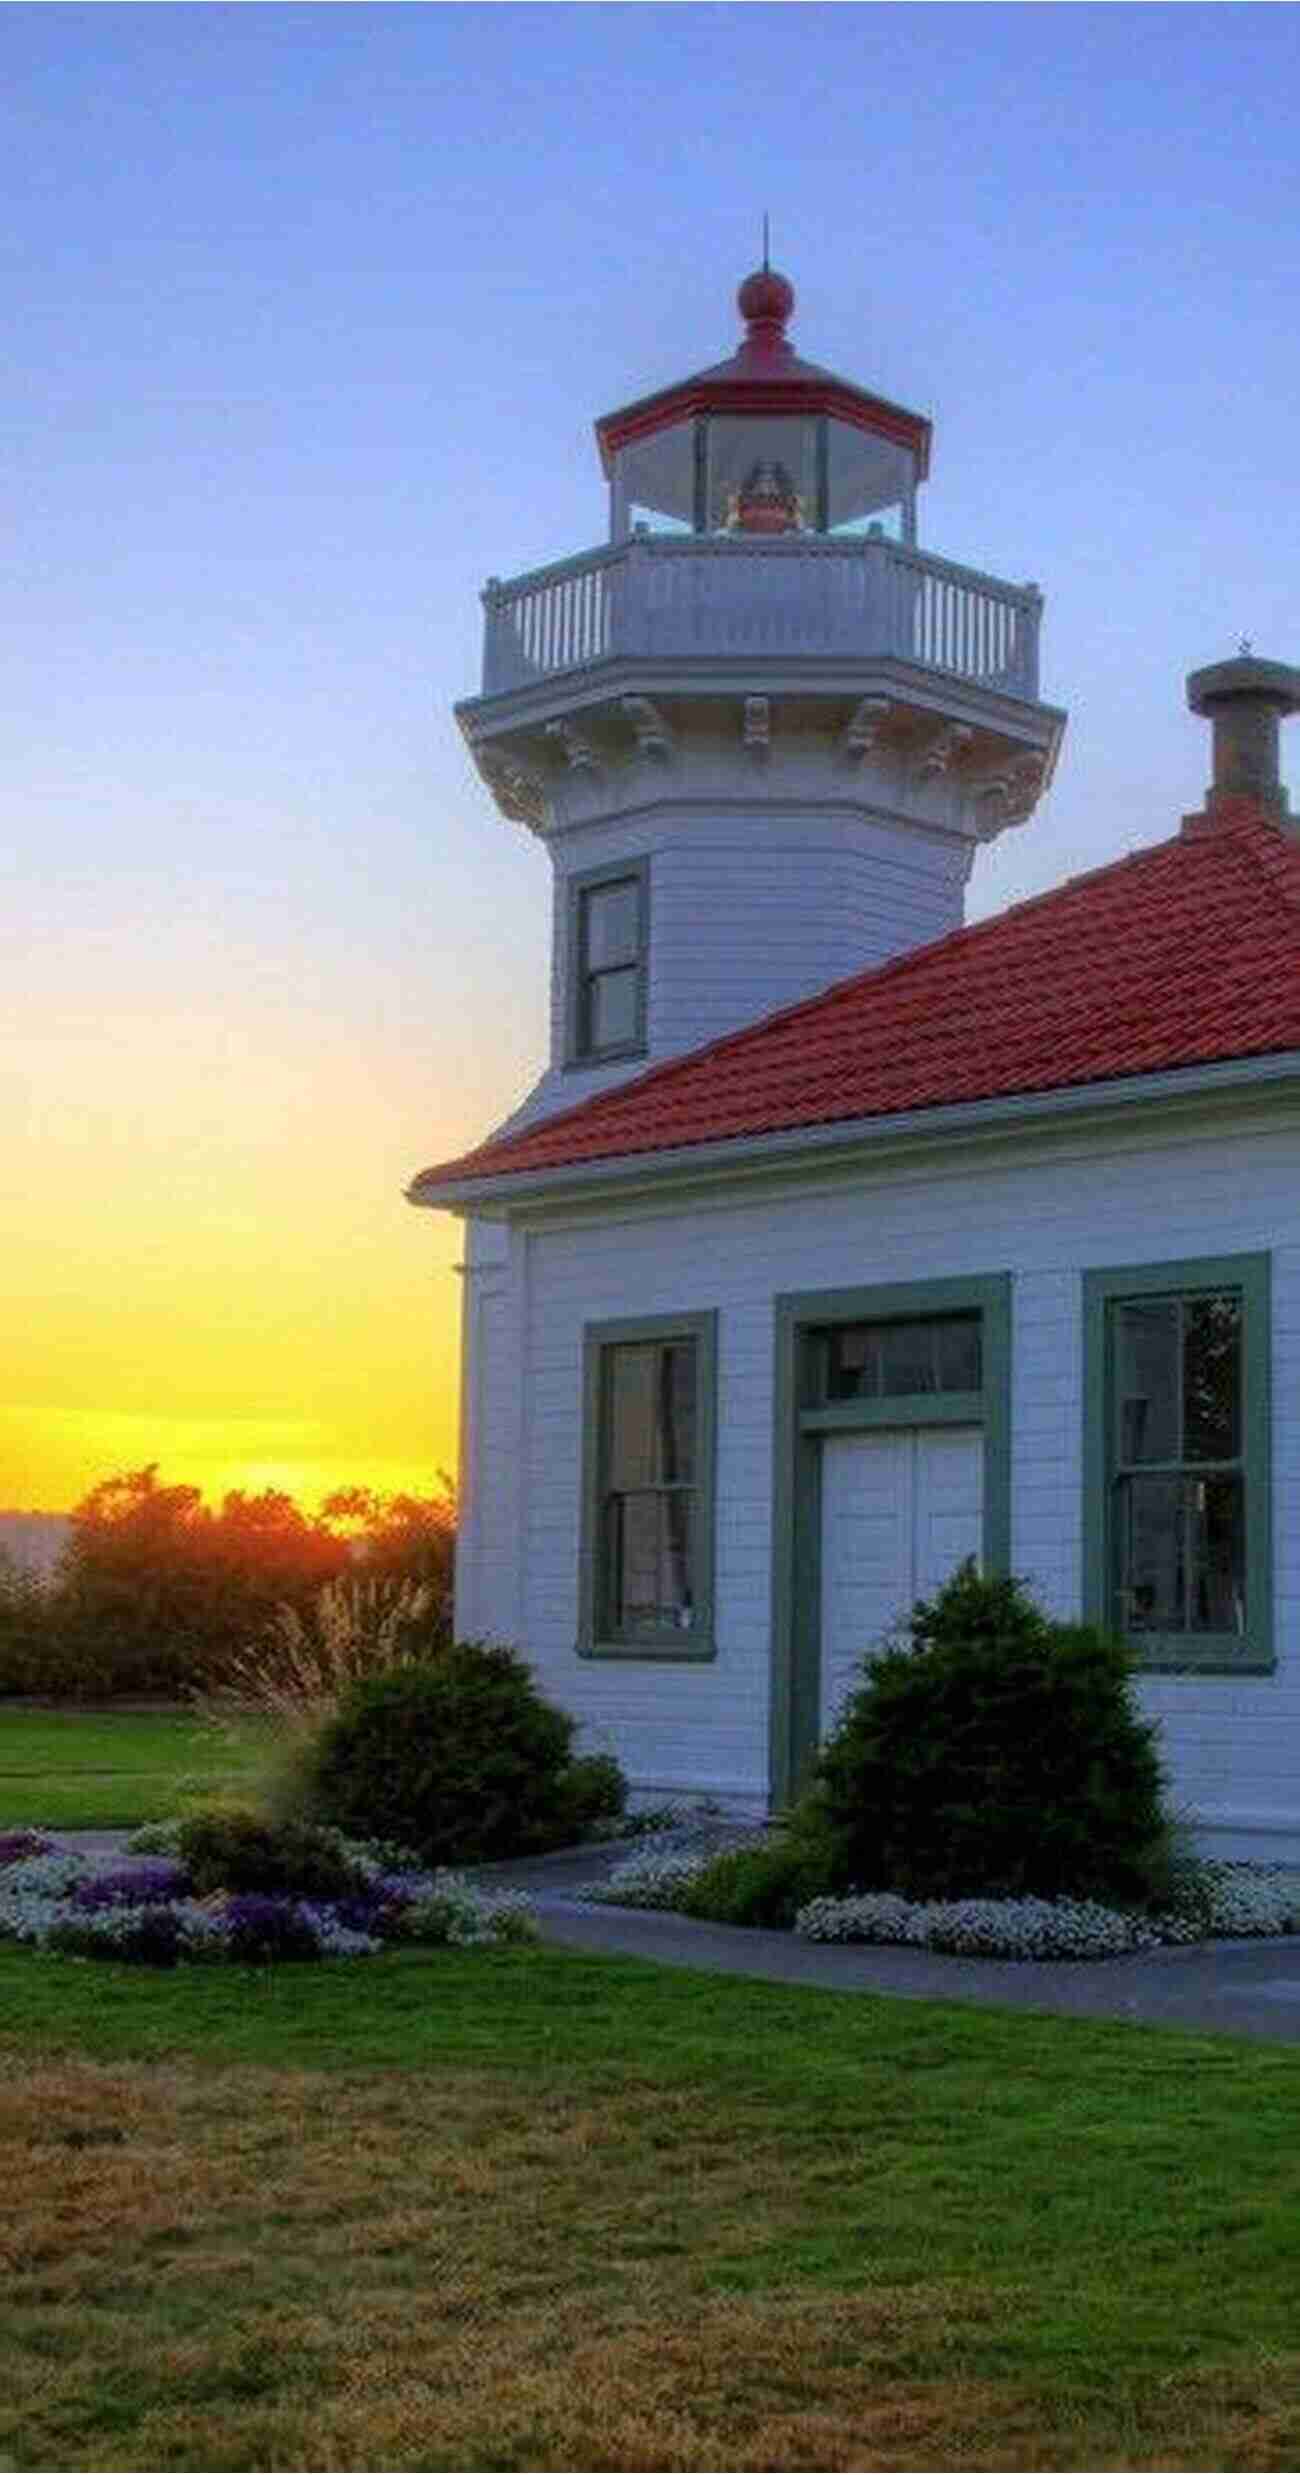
{"points": [[1041, 1212]]}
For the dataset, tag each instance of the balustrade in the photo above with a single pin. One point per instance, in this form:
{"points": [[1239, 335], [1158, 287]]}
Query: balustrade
{"points": [[665, 597]]}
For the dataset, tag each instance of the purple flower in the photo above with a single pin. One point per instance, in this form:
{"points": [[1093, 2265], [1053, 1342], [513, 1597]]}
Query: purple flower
{"points": [[261, 1928], [141, 1885], [17, 1845], [401, 1890]]}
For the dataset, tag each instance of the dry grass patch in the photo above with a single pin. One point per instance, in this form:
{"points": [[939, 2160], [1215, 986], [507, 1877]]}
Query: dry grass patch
{"points": [[255, 2268]]}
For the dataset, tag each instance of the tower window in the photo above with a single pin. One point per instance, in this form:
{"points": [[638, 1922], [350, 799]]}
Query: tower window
{"points": [[607, 949]]}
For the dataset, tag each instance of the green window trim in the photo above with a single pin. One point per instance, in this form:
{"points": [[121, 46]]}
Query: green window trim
{"points": [[578, 1049], [1249, 1276], [595, 1639], [802, 1419]]}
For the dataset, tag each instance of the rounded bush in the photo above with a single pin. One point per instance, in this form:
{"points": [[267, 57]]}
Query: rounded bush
{"points": [[995, 1753], [460, 1758], [594, 1795], [233, 1848]]}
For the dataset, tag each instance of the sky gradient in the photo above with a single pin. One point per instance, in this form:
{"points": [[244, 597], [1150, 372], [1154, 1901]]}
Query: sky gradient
{"points": [[309, 314]]}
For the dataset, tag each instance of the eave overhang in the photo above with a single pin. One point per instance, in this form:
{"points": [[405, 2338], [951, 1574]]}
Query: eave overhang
{"points": [[857, 1142]]}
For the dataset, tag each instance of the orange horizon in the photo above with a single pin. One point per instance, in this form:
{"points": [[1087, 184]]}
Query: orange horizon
{"points": [[307, 1479]]}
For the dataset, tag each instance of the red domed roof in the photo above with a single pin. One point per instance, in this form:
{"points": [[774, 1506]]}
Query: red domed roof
{"points": [[764, 375]]}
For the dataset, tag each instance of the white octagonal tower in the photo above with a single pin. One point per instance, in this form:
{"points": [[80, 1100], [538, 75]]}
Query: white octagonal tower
{"points": [[760, 731]]}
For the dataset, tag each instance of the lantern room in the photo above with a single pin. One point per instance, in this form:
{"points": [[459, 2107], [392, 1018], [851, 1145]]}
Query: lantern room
{"points": [[764, 443]]}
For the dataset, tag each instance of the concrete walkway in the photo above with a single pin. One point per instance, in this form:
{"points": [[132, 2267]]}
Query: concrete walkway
{"points": [[1244, 1989]]}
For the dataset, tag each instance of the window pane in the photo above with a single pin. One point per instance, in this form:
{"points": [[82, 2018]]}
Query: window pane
{"points": [[1182, 1555], [651, 1414], [675, 1413], [892, 1360], [960, 1354], [1216, 1550], [1212, 1379], [853, 1372], [612, 1010], [632, 1372], [907, 1357], [1150, 1580], [649, 1562], [612, 916], [1146, 1379]]}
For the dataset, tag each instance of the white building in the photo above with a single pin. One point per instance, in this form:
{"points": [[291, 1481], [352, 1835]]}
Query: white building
{"points": [[838, 1241]]}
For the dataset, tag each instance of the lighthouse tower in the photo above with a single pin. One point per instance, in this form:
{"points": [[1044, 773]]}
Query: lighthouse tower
{"points": [[760, 730]]}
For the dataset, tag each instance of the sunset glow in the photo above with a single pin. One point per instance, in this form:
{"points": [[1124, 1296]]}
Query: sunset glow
{"points": [[315, 308]]}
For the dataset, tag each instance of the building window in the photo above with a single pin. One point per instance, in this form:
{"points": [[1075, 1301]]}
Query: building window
{"points": [[607, 956], [903, 1360], [647, 1528], [1177, 1508]]}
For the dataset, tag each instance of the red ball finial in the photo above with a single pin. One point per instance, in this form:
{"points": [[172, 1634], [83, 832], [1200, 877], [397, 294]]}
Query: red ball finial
{"points": [[765, 300]]}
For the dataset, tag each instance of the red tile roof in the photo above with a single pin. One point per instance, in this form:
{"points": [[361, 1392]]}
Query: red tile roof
{"points": [[1184, 953]]}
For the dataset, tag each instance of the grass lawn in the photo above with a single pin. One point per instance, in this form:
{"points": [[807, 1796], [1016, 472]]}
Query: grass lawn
{"points": [[536, 2209], [94, 1770]]}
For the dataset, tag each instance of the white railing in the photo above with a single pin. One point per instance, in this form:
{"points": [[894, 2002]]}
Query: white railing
{"points": [[665, 597]]}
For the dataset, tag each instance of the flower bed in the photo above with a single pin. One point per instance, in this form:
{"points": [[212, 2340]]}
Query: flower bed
{"points": [[1213, 1899], [56, 1899]]}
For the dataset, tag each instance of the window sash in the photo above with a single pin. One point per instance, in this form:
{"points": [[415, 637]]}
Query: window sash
{"points": [[1185, 1572], [902, 1358], [608, 941], [1177, 1528], [646, 1563]]}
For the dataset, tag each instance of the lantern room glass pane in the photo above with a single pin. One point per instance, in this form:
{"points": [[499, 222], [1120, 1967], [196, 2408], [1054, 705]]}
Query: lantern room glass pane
{"points": [[870, 480], [656, 479], [754, 462]]}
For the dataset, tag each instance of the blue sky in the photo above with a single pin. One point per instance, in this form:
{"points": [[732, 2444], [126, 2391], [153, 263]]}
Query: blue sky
{"points": [[309, 311]]}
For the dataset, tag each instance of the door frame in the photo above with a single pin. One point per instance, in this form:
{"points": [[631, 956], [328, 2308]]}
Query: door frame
{"points": [[803, 1419]]}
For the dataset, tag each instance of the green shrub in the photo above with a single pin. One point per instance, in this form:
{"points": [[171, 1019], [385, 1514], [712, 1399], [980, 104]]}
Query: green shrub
{"points": [[458, 1757], [765, 1883], [593, 1795], [995, 1753], [234, 1848]]}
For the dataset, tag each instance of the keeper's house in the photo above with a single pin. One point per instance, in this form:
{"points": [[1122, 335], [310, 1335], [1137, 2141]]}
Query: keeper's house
{"points": [[839, 1241]]}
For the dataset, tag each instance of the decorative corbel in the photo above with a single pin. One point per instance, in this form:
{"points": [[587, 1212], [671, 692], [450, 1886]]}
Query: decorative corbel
{"points": [[1024, 784], [654, 736], [862, 731], [995, 792], [518, 793], [757, 729], [579, 754], [947, 744], [1013, 794]]}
